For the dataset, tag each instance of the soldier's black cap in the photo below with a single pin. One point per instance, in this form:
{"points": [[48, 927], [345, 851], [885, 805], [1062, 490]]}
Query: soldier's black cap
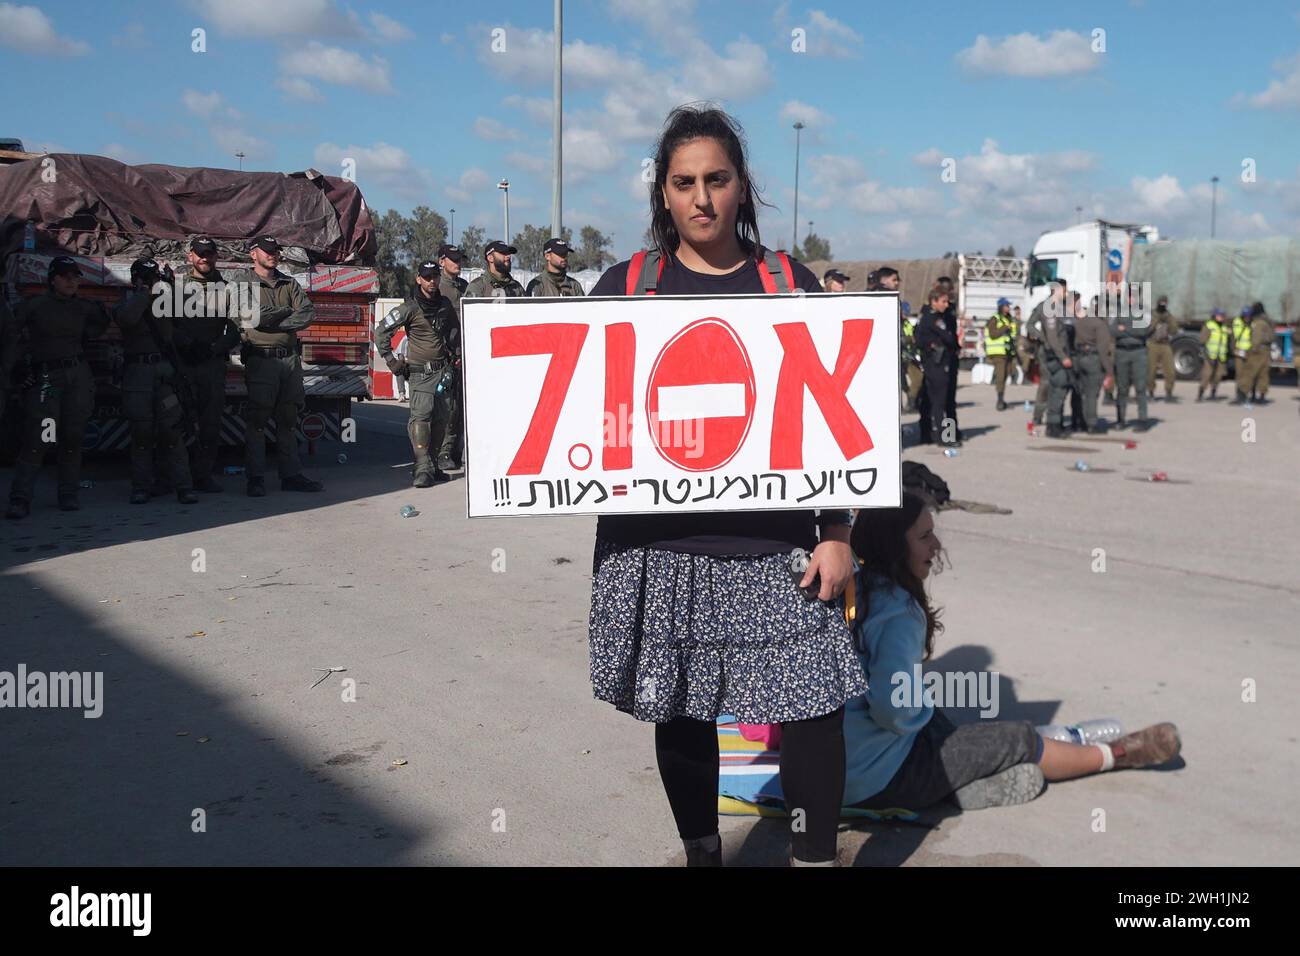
{"points": [[62, 266], [835, 274], [429, 269], [145, 264], [449, 251], [557, 246], [203, 246], [496, 245], [267, 244]]}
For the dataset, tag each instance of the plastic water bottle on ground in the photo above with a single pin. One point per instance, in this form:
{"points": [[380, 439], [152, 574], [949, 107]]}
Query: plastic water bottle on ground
{"points": [[950, 453], [1080, 465], [1103, 730], [1029, 406], [409, 511]]}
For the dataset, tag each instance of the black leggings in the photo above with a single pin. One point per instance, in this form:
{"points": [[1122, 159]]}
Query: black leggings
{"points": [[812, 777]]}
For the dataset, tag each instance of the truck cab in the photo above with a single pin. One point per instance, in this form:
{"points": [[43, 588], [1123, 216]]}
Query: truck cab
{"points": [[1087, 256]]}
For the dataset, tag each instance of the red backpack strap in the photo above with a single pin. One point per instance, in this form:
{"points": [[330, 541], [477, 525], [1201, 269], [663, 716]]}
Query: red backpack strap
{"points": [[775, 272], [639, 281]]}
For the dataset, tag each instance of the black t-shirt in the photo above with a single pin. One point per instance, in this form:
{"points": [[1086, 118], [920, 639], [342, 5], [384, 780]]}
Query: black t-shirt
{"points": [[723, 532]]}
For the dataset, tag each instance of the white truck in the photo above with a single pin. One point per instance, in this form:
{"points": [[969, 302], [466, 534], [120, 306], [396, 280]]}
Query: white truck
{"points": [[1196, 275]]}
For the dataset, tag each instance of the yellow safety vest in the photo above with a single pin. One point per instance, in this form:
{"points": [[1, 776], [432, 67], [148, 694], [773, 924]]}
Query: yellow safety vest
{"points": [[1241, 334], [1216, 346], [1000, 345]]}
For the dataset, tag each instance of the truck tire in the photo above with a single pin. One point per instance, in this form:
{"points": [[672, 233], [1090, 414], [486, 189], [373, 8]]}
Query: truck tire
{"points": [[1187, 357]]}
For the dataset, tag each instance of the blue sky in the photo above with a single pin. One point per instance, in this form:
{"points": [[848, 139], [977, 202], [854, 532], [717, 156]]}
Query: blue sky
{"points": [[1036, 117]]}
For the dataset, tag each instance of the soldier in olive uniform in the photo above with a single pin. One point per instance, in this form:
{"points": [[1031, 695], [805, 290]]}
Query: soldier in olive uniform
{"points": [[999, 346], [1033, 346], [1214, 343], [1054, 354], [1258, 357], [1130, 334], [273, 371], [149, 397], [452, 287], [496, 281], [429, 322], [204, 335], [1094, 360], [554, 281], [1160, 353], [58, 390]]}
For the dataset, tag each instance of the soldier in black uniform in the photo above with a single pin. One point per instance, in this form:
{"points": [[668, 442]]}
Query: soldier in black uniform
{"points": [[58, 390], [936, 337], [428, 322], [452, 287], [204, 342], [149, 388]]}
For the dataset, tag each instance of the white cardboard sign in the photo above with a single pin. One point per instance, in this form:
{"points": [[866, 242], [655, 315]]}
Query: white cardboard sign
{"points": [[681, 403]]}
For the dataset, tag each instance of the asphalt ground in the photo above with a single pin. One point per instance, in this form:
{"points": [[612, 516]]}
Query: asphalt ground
{"points": [[473, 737]]}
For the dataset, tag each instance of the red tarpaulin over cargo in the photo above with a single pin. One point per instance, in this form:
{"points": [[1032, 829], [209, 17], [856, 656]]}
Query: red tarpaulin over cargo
{"points": [[96, 206]]}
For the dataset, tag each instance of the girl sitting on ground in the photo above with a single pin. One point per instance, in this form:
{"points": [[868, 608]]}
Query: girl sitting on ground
{"points": [[914, 756]]}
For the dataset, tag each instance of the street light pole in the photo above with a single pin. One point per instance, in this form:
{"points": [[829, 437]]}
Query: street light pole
{"points": [[794, 242], [557, 124], [451, 229], [1214, 201], [504, 186], [240, 154]]}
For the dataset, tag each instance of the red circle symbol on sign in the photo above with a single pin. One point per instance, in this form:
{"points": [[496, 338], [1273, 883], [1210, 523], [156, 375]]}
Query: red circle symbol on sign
{"points": [[700, 399], [313, 427]]}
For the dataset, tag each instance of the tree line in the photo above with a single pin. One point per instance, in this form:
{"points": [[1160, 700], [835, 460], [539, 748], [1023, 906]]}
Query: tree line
{"points": [[406, 241]]}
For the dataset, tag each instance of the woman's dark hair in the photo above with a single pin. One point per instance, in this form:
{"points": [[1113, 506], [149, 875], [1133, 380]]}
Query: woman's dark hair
{"points": [[698, 121], [879, 540]]}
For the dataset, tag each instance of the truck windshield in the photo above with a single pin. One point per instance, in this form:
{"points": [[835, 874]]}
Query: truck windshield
{"points": [[1041, 271]]}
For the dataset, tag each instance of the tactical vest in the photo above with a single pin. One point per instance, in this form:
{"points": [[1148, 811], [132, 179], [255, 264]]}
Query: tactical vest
{"points": [[647, 267], [1241, 334], [1216, 346]]}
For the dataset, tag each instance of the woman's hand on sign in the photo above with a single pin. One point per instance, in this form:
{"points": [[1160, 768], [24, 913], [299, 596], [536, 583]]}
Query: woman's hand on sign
{"points": [[832, 562]]}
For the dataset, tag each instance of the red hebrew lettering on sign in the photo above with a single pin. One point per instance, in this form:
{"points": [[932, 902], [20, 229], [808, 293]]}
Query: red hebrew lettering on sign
{"points": [[801, 366], [563, 342], [700, 398]]}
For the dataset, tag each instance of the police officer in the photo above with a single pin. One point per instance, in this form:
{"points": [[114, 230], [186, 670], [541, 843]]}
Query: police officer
{"points": [[1259, 343], [1054, 359], [937, 339], [428, 321], [496, 280], [149, 387], [273, 370], [1214, 344], [1160, 353], [1130, 334], [204, 335], [554, 281], [1094, 361], [833, 280], [57, 389], [887, 279], [999, 346], [452, 287]]}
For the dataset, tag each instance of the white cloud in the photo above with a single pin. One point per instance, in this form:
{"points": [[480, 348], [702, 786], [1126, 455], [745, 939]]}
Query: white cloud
{"points": [[298, 18], [201, 104], [537, 108], [473, 180], [829, 37], [810, 116], [930, 157], [389, 30], [493, 130], [1158, 194], [389, 166], [335, 65], [1283, 94], [842, 181], [236, 139], [1063, 52], [297, 88], [528, 161], [30, 30], [586, 152]]}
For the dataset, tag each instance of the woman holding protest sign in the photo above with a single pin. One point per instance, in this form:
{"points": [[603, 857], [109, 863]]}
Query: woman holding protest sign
{"points": [[695, 615]]}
